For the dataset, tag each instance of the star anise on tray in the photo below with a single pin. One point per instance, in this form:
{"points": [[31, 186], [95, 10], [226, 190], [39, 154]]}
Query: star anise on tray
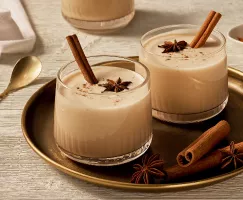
{"points": [[173, 47], [116, 86], [233, 156], [152, 167]]}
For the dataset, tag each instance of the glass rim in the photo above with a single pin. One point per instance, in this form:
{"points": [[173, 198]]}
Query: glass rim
{"points": [[145, 81], [222, 46]]}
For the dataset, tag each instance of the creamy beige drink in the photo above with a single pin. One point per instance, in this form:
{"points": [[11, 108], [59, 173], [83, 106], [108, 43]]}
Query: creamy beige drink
{"points": [[88, 14], [95, 124], [187, 82]]}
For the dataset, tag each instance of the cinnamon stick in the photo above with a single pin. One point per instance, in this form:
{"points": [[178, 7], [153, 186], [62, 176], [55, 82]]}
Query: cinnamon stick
{"points": [[203, 28], [238, 146], [176, 172], [211, 161], [206, 29], [81, 59], [202, 145], [209, 30]]}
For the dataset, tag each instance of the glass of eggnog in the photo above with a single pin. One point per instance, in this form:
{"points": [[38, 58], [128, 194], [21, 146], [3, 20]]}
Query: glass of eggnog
{"points": [[190, 84], [108, 123], [98, 15]]}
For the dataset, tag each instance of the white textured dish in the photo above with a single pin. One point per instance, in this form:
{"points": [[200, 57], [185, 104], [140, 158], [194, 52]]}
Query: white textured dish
{"points": [[233, 35]]}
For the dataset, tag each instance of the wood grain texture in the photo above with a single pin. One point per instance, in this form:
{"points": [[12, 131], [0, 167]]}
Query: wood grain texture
{"points": [[24, 175]]}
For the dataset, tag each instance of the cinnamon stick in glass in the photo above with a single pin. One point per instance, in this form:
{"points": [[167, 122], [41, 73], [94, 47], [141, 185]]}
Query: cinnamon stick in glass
{"points": [[203, 28], [81, 59], [206, 29], [204, 144], [209, 30], [211, 161]]}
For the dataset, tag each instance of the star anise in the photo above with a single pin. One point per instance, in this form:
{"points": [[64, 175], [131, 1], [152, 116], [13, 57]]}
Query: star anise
{"points": [[115, 86], [152, 167], [173, 47], [233, 156]]}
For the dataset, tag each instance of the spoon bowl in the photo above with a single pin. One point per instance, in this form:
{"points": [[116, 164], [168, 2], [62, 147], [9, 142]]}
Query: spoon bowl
{"points": [[26, 70]]}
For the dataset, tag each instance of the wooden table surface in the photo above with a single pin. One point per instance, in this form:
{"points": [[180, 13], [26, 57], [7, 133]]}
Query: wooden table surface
{"points": [[23, 174]]}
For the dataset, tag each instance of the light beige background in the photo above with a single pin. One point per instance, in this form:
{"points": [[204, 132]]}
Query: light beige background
{"points": [[24, 175]]}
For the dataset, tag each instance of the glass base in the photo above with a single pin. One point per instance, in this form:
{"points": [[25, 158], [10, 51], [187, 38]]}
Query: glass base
{"points": [[101, 27], [118, 160], [189, 118]]}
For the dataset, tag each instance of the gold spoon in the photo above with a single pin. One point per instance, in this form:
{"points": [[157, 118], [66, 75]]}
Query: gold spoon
{"points": [[26, 70]]}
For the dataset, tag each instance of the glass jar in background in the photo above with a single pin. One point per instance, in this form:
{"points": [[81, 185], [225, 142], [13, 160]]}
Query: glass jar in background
{"points": [[99, 16]]}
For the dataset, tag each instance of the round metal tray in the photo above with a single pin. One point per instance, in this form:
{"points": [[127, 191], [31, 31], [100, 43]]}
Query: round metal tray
{"points": [[169, 140]]}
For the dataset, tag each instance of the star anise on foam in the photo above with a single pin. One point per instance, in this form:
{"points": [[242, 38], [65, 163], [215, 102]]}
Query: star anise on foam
{"points": [[115, 86], [233, 156], [173, 47], [152, 167]]}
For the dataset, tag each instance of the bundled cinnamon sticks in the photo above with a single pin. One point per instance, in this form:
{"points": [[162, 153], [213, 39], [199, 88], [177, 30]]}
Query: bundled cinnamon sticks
{"points": [[81, 59], [205, 143], [206, 29], [232, 154], [197, 158]]}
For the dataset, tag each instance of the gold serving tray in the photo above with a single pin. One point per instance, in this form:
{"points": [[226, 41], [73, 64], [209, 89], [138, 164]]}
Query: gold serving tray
{"points": [[169, 139]]}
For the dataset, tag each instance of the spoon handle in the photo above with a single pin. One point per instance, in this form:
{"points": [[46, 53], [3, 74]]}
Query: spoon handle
{"points": [[2, 95]]}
